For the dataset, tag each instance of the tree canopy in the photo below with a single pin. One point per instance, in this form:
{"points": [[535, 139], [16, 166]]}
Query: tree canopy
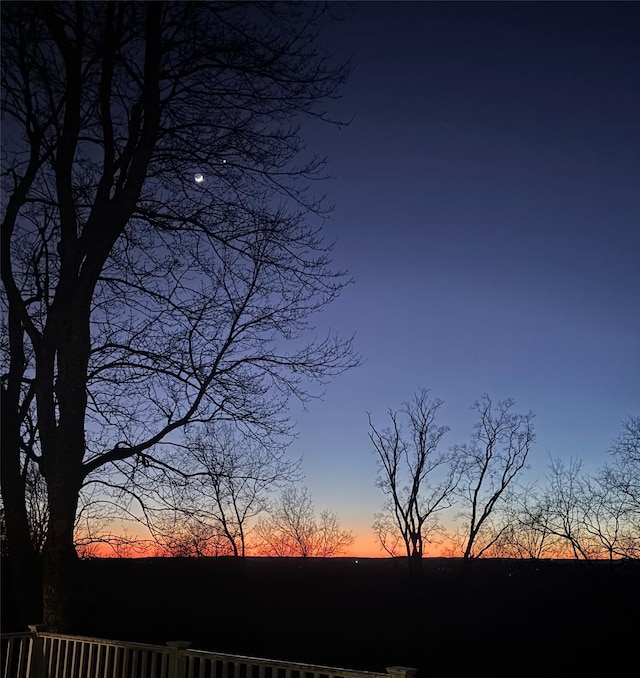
{"points": [[162, 252]]}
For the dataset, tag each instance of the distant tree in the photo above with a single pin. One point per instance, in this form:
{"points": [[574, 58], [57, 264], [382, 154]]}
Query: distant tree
{"points": [[236, 474], [227, 479], [292, 529], [417, 480], [161, 249], [183, 536], [36, 503], [386, 531], [524, 534], [626, 448], [561, 509], [116, 543], [104, 527], [585, 516], [620, 479], [604, 519], [599, 516], [37, 512], [493, 460]]}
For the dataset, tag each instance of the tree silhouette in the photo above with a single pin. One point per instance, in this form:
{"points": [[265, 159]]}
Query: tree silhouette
{"points": [[291, 528], [227, 479], [620, 480], [498, 452], [594, 516], [561, 509], [408, 462], [139, 297], [524, 534]]}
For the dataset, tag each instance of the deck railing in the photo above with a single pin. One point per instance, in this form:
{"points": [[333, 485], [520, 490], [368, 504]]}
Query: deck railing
{"points": [[39, 654]]}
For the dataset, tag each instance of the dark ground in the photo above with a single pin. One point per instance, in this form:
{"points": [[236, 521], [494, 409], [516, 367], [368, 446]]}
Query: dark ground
{"points": [[495, 617]]}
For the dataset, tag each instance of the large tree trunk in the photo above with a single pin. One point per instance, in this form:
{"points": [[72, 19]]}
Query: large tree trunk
{"points": [[414, 563], [59, 554], [23, 558], [63, 447], [62, 402]]}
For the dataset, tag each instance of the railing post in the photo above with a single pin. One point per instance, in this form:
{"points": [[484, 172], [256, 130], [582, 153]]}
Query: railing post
{"points": [[177, 660], [35, 665], [401, 671]]}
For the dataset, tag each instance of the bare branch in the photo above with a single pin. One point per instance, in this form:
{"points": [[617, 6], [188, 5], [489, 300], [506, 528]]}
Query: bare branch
{"points": [[418, 481], [490, 464]]}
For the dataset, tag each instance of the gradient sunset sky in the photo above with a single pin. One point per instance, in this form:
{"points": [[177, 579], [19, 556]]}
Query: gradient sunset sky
{"points": [[487, 205]]}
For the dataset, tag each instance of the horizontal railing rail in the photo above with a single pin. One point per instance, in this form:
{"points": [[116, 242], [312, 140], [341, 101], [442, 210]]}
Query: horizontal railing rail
{"points": [[39, 654]]}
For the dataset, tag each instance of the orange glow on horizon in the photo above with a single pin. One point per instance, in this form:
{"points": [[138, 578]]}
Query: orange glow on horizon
{"points": [[365, 545]]}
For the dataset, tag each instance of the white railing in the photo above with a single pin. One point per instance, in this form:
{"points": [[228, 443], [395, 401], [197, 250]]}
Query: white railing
{"points": [[16, 654], [47, 655]]}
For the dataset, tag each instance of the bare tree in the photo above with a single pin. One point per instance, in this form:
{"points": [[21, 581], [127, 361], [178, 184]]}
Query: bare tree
{"points": [[525, 534], [36, 502], [498, 452], [37, 512], [229, 479], [620, 480], [114, 542], [104, 527], [387, 533], [626, 447], [161, 250], [562, 507], [599, 516], [188, 536], [604, 519], [292, 529], [583, 516], [239, 474], [416, 479]]}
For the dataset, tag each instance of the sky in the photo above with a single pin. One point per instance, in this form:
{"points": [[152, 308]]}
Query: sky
{"points": [[487, 206]]}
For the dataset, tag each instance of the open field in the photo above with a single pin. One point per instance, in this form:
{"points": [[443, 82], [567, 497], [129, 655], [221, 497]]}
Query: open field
{"points": [[510, 618]]}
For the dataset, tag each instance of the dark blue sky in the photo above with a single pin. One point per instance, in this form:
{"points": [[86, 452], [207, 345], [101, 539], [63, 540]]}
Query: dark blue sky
{"points": [[487, 204]]}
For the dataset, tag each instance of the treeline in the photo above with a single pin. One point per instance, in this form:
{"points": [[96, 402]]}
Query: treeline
{"points": [[221, 494], [481, 488], [229, 495]]}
